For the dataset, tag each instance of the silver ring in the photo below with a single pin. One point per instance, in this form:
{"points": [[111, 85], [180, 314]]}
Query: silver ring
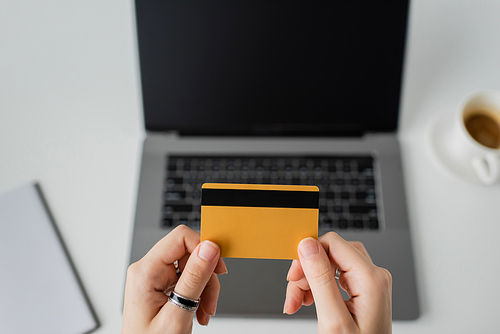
{"points": [[337, 273], [184, 303]]}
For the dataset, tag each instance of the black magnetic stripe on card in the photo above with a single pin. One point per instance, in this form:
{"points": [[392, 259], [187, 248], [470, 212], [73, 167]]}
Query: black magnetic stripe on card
{"points": [[260, 198]]}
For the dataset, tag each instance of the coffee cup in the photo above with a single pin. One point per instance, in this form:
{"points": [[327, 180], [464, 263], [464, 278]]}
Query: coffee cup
{"points": [[475, 137]]}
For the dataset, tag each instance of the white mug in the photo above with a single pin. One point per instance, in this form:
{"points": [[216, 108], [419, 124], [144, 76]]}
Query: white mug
{"points": [[475, 138]]}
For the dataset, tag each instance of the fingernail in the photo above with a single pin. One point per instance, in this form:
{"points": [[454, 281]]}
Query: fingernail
{"points": [[289, 270], [225, 267], [208, 250], [308, 247], [214, 310]]}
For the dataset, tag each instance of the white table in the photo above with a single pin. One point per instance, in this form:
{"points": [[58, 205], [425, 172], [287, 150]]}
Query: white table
{"points": [[71, 118]]}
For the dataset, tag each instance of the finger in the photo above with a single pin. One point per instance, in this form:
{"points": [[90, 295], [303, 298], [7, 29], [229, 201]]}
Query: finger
{"points": [[202, 317], [148, 278], [295, 272], [351, 261], [220, 269], [159, 271], [208, 300], [317, 268], [297, 292], [198, 270], [193, 280], [344, 255], [308, 298], [359, 246]]}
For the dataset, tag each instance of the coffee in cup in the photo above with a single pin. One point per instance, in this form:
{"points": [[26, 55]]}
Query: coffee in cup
{"points": [[483, 126]]}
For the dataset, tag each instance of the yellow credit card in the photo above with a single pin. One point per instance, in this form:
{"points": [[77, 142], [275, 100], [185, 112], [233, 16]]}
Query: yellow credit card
{"points": [[258, 221]]}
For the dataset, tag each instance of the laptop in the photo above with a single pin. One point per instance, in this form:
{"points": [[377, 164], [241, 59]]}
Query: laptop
{"points": [[276, 92]]}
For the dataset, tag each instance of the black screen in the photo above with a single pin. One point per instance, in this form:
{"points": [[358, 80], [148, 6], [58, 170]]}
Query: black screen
{"points": [[271, 67]]}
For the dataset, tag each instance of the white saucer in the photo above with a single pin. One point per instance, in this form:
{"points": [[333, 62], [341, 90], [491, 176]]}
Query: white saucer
{"points": [[439, 133]]}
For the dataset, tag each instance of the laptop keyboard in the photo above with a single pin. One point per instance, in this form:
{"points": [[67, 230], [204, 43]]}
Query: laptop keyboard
{"points": [[347, 198]]}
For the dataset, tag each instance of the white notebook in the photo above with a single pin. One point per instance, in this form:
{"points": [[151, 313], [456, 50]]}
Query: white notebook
{"points": [[39, 288]]}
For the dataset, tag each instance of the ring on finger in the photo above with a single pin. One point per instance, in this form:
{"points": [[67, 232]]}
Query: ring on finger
{"points": [[177, 270], [182, 302], [337, 273]]}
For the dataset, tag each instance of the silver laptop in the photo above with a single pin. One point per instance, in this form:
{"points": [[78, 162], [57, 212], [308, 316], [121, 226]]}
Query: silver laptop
{"points": [[276, 92]]}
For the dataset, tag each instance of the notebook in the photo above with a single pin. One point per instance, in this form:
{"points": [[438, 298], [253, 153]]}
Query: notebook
{"points": [[276, 92], [40, 291]]}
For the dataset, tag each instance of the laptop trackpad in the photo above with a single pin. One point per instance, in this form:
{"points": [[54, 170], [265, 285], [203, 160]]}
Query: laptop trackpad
{"points": [[256, 288]]}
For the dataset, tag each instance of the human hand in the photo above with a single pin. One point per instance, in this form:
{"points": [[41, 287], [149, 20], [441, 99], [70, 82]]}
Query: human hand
{"points": [[150, 280], [312, 279]]}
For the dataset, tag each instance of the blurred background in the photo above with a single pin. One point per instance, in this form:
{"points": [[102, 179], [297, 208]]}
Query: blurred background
{"points": [[71, 119]]}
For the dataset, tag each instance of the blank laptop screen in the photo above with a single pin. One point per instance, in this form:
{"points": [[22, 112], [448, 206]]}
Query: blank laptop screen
{"points": [[269, 67]]}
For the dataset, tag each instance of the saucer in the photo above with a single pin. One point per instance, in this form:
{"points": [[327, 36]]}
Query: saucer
{"points": [[439, 135]]}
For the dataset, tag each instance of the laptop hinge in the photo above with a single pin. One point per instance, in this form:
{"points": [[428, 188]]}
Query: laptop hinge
{"points": [[168, 134]]}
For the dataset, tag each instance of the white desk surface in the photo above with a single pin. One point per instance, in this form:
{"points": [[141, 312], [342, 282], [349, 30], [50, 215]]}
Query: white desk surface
{"points": [[71, 118]]}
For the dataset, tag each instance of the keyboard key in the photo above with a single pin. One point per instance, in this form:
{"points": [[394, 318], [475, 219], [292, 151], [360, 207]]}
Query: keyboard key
{"points": [[355, 182], [326, 223], [216, 166], [175, 195], [183, 222], [357, 223], [367, 196], [167, 222], [195, 224], [174, 181], [373, 224], [171, 208], [369, 181], [361, 195], [364, 164], [325, 181], [338, 209], [343, 224], [361, 208]]}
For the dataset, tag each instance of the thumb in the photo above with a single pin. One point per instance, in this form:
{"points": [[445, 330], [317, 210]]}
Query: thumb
{"points": [[198, 270], [330, 306], [193, 280]]}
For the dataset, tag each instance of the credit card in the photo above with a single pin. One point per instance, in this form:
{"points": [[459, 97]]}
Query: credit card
{"points": [[258, 221]]}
